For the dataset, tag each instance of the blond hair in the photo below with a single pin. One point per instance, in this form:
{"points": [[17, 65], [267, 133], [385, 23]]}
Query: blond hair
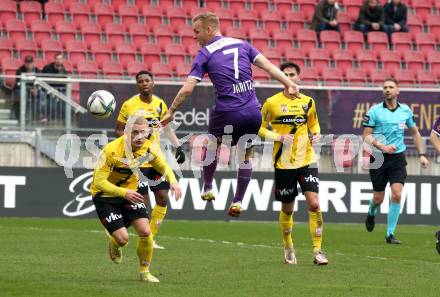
{"points": [[209, 19]]}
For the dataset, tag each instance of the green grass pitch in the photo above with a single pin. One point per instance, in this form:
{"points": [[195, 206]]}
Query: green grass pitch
{"points": [[68, 257]]}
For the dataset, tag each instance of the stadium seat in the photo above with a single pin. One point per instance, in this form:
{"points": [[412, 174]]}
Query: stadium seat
{"points": [[226, 16], [306, 7], [31, 11], [283, 5], [433, 22], [91, 32], [247, 18], [115, 33], [426, 78], [332, 76], [414, 60], [425, 41], [177, 17], [345, 22], [41, 31], [139, 34], [307, 38], [273, 54], [182, 70], [54, 12], [192, 48], [235, 32], [128, 13], [116, 3], [352, 8], [175, 54], [366, 59], [343, 58], [260, 5], [150, 53], [391, 60], [8, 10], [283, 39], [272, 20], [259, 38], [433, 59], [104, 13], [15, 29], [294, 20], [356, 76], [164, 34], [377, 76], [50, 48], [402, 41], [296, 55], [160, 70], [9, 67], [134, 68], [39, 63], [404, 77], [309, 75], [153, 15], [186, 35], [415, 24], [80, 13], [354, 40], [65, 31], [214, 5], [5, 49], [259, 74], [378, 41], [87, 69], [237, 5], [422, 7], [319, 58], [26, 47], [126, 53], [102, 52], [77, 51], [112, 69], [331, 40]]}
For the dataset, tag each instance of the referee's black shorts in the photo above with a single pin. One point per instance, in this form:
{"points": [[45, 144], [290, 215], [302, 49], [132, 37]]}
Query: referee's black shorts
{"points": [[393, 170]]}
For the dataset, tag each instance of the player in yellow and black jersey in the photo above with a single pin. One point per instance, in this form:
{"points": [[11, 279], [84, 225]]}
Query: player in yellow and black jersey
{"points": [[154, 109], [116, 200], [292, 120]]}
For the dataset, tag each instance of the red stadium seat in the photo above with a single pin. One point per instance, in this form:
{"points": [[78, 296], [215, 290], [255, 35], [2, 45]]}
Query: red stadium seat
{"points": [[248, 19], [87, 69], [160, 70], [260, 5], [331, 40], [377, 76], [128, 13], [41, 31], [283, 5], [126, 54], [182, 70], [426, 78], [26, 47], [5, 49], [226, 16], [77, 51], [259, 74], [65, 31], [283, 39], [295, 20], [352, 8], [306, 7], [192, 48], [175, 54], [31, 11], [9, 67], [164, 34], [433, 22], [259, 38], [55, 12], [391, 60], [425, 41], [414, 60], [235, 32], [354, 40], [51, 48], [150, 53], [134, 68], [309, 75], [39, 63], [214, 5], [237, 5], [433, 59], [343, 58], [356, 76], [402, 41], [91, 32], [404, 77], [153, 15], [186, 35], [415, 24], [422, 7], [112, 69], [378, 41], [177, 17], [16, 29], [296, 55], [80, 12], [332, 76], [115, 33], [319, 58], [272, 20], [8, 10], [345, 22], [104, 13], [366, 59], [102, 52], [116, 3], [437, 4], [307, 39], [139, 34], [272, 54]]}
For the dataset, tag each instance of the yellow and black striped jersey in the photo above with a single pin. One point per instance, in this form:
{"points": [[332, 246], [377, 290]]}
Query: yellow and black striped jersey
{"points": [[290, 116], [112, 177], [154, 111]]}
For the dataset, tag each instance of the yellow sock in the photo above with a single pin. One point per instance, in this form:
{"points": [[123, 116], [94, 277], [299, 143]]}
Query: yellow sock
{"points": [[144, 249], [157, 216], [286, 224], [315, 226]]}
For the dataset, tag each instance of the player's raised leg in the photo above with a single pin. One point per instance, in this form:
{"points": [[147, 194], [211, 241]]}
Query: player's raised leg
{"points": [[209, 157], [117, 240], [286, 225]]}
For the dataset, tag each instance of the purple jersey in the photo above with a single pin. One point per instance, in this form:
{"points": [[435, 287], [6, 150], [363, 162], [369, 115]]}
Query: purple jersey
{"points": [[228, 63], [436, 127]]}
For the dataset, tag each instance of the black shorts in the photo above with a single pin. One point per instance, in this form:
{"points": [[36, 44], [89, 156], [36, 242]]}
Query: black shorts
{"points": [[393, 170], [159, 182], [116, 212], [286, 180]]}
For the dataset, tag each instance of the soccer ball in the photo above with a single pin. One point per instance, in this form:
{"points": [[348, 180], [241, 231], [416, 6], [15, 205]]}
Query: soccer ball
{"points": [[101, 104]]}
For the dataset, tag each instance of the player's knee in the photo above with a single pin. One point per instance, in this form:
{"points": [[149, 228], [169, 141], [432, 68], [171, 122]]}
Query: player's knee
{"points": [[314, 206], [144, 233], [121, 239], [162, 198], [287, 208], [396, 196]]}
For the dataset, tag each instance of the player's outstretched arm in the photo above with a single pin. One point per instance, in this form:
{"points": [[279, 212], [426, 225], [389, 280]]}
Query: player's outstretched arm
{"points": [[171, 135], [419, 145], [435, 140]]}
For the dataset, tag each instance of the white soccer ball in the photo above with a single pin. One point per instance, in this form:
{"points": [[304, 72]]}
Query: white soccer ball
{"points": [[101, 104]]}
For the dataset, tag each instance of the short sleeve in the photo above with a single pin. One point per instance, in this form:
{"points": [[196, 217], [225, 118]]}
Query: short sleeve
{"points": [[198, 68], [122, 117], [436, 127], [369, 120], [163, 110], [410, 121]]}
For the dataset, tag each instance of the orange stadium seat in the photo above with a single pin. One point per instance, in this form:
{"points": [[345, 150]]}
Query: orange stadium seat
{"points": [[414, 60], [160, 70], [153, 15], [356, 76], [54, 11], [9, 67], [87, 69], [15, 29], [115, 33], [283, 5], [330, 39], [354, 40], [309, 75], [415, 24], [128, 13], [307, 38], [26, 47], [91, 32], [150, 53], [391, 60], [104, 13], [5, 49], [259, 38], [402, 41], [296, 55], [8, 10], [139, 34], [332, 76], [50, 48], [77, 51], [295, 20], [366, 59], [177, 17], [272, 20], [182, 70], [404, 76], [283, 39], [164, 34], [112, 69], [425, 41], [433, 59], [426, 77], [126, 53], [378, 41], [31, 11], [134, 68], [433, 22], [319, 58], [41, 31], [65, 31], [102, 52], [175, 54], [422, 7], [343, 58], [80, 12], [377, 76]]}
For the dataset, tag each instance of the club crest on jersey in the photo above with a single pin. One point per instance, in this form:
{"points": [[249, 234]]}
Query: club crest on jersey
{"points": [[284, 108]]}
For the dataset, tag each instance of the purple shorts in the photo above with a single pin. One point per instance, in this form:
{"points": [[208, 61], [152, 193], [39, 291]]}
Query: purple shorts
{"points": [[242, 122]]}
